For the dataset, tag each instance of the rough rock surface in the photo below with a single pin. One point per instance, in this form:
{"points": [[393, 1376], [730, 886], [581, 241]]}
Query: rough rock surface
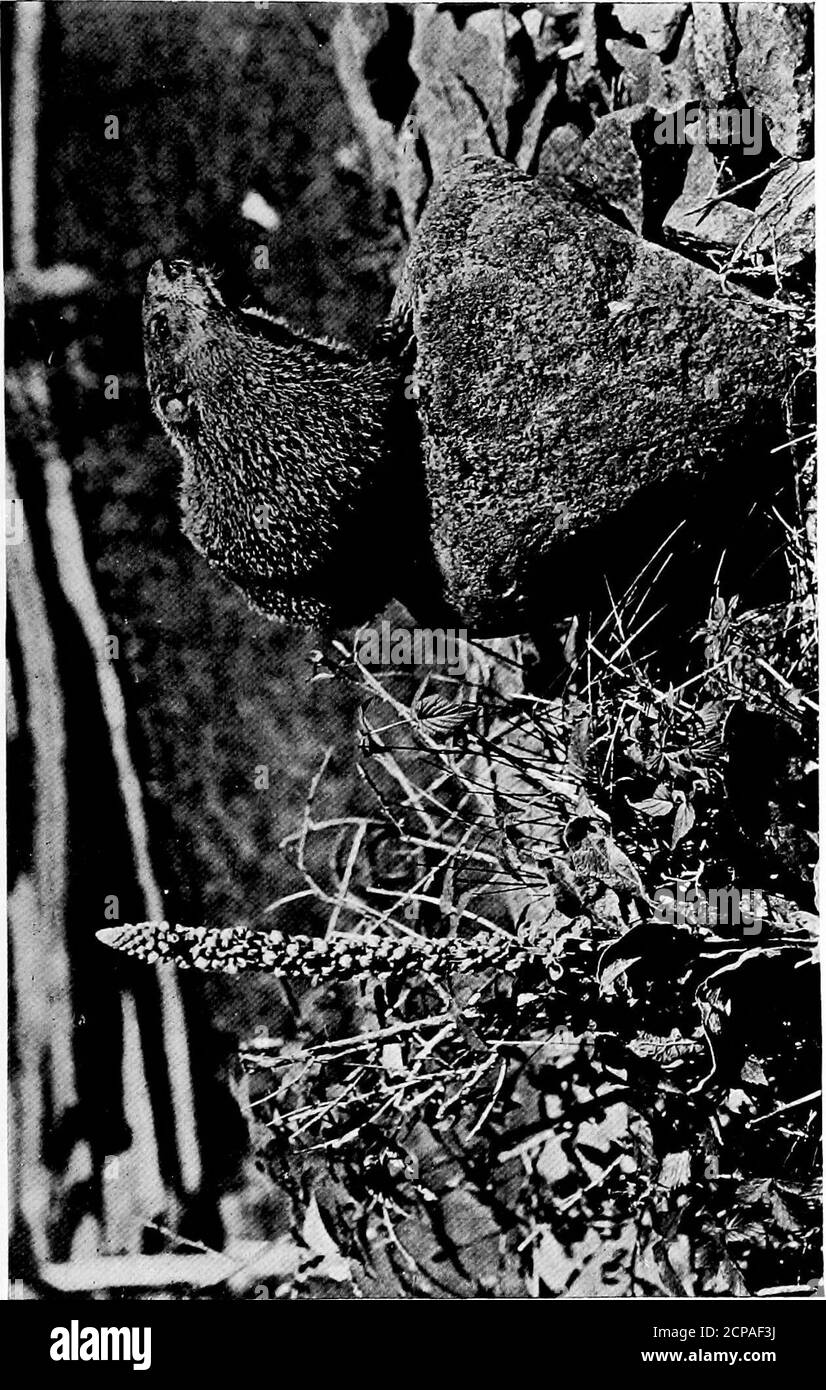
{"points": [[676, 80], [624, 165], [657, 25], [775, 71], [564, 365], [532, 353], [470, 78], [536, 84], [785, 217], [715, 50], [724, 223]]}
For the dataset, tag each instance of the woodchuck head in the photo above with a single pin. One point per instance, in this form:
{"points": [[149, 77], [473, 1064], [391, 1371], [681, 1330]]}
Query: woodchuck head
{"points": [[284, 443]]}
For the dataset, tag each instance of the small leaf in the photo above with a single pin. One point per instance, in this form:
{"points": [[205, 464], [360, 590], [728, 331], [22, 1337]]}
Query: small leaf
{"points": [[613, 971], [675, 1170], [440, 716], [752, 1073], [653, 806], [683, 822], [784, 1218]]}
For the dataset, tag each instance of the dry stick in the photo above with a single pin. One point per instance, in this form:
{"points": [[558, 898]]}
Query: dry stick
{"points": [[391, 765], [503, 1071], [98, 1272], [597, 1182], [544, 772], [331, 1051], [781, 1109], [806, 645], [632, 587], [478, 1071], [737, 187], [289, 898], [359, 908], [634, 635], [76, 583], [546, 784], [400, 1086], [395, 1241], [311, 795], [38, 944], [460, 912], [335, 823], [790, 445], [474, 854], [404, 712], [610, 749], [362, 772], [451, 852], [36, 908], [787, 685], [28, 27], [731, 266], [434, 1042], [349, 868], [655, 580], [414, 795], [313, 1113]]}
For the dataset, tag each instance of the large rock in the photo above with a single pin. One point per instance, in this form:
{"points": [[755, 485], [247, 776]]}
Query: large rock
{"points": [[532, 82], [623, 163], [658, 26], [469, 80], [779, 232], [715, 50], [564, 366], [776, 72], [612, 162], [675, 80], [634, 69], [722, 223], [785, 216]]}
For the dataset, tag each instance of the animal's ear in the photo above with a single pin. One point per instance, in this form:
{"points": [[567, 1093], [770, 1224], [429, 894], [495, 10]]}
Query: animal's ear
{"points": [[212, 278]]}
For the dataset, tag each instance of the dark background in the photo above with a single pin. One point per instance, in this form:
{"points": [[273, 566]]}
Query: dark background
{"points": [[212, 101]]}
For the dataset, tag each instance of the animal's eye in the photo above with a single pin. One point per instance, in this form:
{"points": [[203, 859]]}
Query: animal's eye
{"points": [[158, 329], [176, 409]]}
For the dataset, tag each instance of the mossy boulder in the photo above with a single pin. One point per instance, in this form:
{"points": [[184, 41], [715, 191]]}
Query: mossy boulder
{"points": [[565, 367]]}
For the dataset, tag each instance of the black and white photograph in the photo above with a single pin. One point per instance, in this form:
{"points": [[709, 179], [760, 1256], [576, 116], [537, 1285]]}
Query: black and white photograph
{"points": [[411, 662]]}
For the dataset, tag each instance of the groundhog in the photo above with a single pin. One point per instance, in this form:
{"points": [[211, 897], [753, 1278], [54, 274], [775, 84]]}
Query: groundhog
{"points": [[292, 485]]}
